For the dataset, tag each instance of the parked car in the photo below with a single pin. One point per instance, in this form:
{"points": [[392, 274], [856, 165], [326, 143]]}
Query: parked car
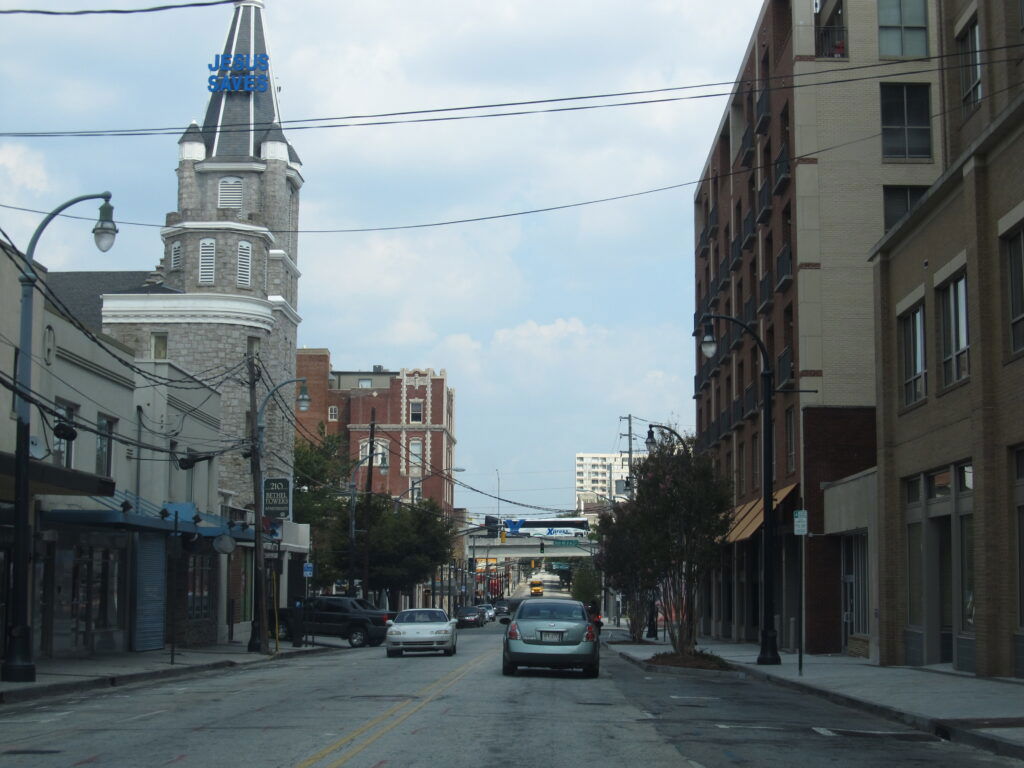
{"points": [[350, 618], [501, 608], [469, 616], [551, 633], [422, 629], [489, 612]]}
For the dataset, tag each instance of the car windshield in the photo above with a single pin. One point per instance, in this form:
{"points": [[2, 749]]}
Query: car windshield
{"points": [[467, 611], [486, 606], [409, 617], [567, 612]]}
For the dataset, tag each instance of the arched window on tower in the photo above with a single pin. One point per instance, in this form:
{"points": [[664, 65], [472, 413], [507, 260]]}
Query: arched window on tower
{"points": [[176, 254], [229, 192], [207, 260], [244, 276]]}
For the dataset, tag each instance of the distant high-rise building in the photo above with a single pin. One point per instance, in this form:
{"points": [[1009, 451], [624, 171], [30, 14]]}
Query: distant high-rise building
{"points": [[601, 477]]}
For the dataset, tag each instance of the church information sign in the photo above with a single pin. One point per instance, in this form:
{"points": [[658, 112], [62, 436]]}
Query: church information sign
{"points": [[277, 497], [239, 73]]}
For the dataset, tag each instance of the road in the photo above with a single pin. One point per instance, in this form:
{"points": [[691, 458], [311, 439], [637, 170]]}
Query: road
{"points": [[357, 708]]}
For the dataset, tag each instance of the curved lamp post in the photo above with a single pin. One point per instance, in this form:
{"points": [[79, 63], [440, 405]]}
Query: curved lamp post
{"points": [[769, 653], [258, 633], [18, 665]]}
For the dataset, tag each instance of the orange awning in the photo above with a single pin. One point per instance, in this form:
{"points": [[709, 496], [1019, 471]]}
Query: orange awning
{"points": [[747, 518]]}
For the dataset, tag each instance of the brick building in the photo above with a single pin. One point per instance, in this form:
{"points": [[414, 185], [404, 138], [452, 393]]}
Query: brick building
{"points": [[949, 285], [795, 191], [414, 415]]}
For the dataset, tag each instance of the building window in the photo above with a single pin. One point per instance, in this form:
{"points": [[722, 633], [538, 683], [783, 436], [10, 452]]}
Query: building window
{"points": [[415, 457], [914, 574], [939, 484], [207, 260], [902, 28], [790, 440], [416, 412], [964, 478], [906, 121], [365, 383], [380, 453], [912, 489], [898, 201], [158, 346], [332, 413], [244, 272], [176, 255], [229, 192], [1015, 252], [953, 306], [967, 573], [200, 601], [104, 445], [969, 47], [912, 353], [64, 450]]}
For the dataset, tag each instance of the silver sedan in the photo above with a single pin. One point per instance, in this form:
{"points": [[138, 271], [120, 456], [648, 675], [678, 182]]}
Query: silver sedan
{"points": [[551, 633], [422, 629]]}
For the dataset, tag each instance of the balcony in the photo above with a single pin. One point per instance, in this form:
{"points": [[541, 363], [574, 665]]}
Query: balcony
{"points": [[784, 368], [783, 268], [723, 276], [764, 114], [830, 43], [703, 244], [782, 171], [749, 231], [750, 409], [712, 227], [735, 254], [747, 148], [725, 421], [737, 413], [749, 311], [765, 295], [764, 202]]}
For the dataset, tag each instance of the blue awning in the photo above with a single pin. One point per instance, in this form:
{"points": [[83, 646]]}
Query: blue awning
{"points": [[190, 520]]}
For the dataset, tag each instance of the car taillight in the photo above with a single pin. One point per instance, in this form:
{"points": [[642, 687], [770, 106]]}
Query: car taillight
{"points": [[591, 636], [513, 631]]}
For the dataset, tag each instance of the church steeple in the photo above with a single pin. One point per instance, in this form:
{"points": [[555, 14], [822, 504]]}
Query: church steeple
{"points": [[243, 112]]}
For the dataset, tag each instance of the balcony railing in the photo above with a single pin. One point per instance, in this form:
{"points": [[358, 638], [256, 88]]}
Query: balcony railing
{"points": [[783, 268], [765, 293], [764, 202], [713, 221], [735, 336], [782, 171], [723, 275], [703, 244], [749, 311], [831, 43], [749, 231], [726, 420], [747, 148], [735, 254], [764, 111], [784, 370]]}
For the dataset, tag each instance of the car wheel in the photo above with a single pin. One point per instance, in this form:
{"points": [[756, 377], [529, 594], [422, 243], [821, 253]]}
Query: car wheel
{"points": [[449, 651], [357, 637], [594, 670], [508, 669], [393, 654], [375, 643]]}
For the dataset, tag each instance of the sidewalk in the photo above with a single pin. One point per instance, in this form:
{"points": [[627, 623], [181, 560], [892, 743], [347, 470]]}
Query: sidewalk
{"points": [[987, 713], [55, 677]]}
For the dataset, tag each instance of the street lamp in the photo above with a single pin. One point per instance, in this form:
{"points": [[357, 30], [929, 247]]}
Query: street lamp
{"points": [[708, 346], [18, 666], [258, 632]]}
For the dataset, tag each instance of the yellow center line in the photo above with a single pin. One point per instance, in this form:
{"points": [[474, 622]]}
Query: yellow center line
{"points": [[401, 719], [445, 680]]}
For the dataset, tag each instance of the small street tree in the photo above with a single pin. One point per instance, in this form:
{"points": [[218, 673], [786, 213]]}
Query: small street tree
{"points": [[690, 506], [626, 536], [321, 472], [586, 583]]}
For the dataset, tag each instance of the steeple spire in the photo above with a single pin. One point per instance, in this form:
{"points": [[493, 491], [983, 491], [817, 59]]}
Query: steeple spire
{"points": [[243, 110]]}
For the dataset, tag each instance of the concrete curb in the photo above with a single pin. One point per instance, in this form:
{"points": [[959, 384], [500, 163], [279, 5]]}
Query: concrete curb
{"points": [[108, 681]]}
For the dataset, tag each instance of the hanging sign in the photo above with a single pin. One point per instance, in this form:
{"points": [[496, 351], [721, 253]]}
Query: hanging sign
{"points": [[277, 498]]}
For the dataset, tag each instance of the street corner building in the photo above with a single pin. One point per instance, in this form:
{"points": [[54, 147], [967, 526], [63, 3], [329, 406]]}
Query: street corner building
{"points": [[817, 189], [142, 527]]}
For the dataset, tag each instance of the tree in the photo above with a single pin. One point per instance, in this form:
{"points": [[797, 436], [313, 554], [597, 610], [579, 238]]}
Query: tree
{"points": [[586, 583], [689, 507], [625, 537]]}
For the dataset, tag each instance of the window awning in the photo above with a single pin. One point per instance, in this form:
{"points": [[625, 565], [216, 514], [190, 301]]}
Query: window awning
{"points": [[46, 478], [208, 525], [747, 518]]}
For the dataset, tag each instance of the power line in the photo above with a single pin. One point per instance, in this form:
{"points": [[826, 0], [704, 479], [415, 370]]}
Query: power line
{"points": [[117, 11]]}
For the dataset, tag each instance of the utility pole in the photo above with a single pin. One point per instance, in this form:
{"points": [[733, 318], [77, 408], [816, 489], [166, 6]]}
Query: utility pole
{"points": [[629, 477], [369, 501], [258, 634]]}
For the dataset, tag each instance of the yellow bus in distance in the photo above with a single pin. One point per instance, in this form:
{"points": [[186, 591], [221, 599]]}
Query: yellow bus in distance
{"points": [[536, 588]]}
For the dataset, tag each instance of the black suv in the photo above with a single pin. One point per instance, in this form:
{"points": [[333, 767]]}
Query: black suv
{"points": [[349, 618], [501, 608]]}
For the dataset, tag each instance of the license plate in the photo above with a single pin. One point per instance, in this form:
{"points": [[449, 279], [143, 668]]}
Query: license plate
{"points": [[550, 637]]}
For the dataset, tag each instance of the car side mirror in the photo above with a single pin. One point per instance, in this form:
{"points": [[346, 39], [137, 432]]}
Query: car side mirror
{"points": [[390, 623], [505, 620]]}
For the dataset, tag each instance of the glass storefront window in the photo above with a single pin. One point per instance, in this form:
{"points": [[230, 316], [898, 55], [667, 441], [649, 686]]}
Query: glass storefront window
{"points": [[967, 573], [914, 574], [939, 484]]}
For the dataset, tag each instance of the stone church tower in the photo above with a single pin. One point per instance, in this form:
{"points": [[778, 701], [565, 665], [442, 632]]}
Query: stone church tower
{"points": [[229, 270]]}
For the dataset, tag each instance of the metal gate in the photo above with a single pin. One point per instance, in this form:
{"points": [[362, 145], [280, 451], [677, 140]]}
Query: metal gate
{"points": [[150, 592]]}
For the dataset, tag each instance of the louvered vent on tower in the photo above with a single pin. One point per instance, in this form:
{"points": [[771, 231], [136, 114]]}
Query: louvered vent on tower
{"points": [[207, 260], [244, 278], [229, 192]]}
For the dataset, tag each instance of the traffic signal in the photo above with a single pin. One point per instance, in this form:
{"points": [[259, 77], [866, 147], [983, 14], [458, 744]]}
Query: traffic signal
{"points": [[542, 546], [532, 565]]}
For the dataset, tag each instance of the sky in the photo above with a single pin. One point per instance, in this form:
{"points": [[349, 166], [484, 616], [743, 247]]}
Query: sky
{"points": [[550, 326]]}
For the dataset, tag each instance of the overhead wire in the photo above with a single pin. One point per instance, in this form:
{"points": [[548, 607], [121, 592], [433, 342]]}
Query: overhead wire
{"points": [[115, 11]]}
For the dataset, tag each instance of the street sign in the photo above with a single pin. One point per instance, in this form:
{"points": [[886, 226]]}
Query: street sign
{"points": [[799, 522], [307, 570], [565, 542], [277, 497]]}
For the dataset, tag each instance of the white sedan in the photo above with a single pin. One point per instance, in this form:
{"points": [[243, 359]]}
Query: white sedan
{"points": [[422, 629]]}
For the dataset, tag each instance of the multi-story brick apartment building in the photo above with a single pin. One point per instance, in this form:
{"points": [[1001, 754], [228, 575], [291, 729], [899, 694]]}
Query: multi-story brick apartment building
{"points": [[949, 283], [414, 415], [795, 187]]}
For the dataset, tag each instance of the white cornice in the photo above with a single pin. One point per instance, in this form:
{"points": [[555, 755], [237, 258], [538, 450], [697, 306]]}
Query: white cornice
{"points": [[213, 166], [294, 176], [279, 255], [214, 226], [281, 304], [174, 308]]}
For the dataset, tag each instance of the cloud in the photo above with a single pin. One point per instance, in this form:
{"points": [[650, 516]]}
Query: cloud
{"points": [[23, 170]]}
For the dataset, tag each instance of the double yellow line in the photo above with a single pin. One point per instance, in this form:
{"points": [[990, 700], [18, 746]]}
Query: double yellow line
{"points": [[427, 695]]}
